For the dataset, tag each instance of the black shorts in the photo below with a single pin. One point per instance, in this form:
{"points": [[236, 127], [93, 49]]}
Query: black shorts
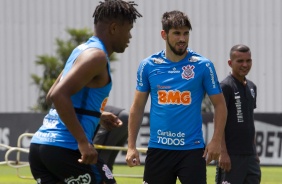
{"points": [[52, 164], [244, 169], [165, 166]]}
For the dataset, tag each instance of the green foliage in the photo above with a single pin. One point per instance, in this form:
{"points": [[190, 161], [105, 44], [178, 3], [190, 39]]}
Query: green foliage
{"points": [[53, 65]]}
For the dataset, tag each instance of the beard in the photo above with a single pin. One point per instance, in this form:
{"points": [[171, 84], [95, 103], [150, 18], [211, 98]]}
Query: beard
{"points": [[176, 52]]}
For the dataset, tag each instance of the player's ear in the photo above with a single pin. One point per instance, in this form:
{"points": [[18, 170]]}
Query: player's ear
{"points": [[113, 27], [163, 34], [230, 63]]}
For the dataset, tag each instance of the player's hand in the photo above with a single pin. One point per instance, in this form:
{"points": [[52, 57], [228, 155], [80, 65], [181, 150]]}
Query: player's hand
{"points": [[109, 121], [224, 161], [212, 151], [89, 155], [257, 158], [132, 157]]}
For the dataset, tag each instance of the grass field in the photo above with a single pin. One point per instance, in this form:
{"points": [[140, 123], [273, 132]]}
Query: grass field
{"points": [[8, 175]]}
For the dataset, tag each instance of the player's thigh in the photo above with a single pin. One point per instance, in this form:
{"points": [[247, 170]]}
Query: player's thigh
{"points": [[63, 163], [40, 173], [254, 172], [159, 167], [192, 168]]}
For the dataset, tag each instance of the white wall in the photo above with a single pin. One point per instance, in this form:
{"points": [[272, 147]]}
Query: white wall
{"points": [[29, 28]]}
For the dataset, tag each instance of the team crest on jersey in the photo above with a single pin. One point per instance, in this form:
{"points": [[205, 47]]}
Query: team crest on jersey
{"points": [[253, 92], [158, 60], [188, 72], [194, 59]]}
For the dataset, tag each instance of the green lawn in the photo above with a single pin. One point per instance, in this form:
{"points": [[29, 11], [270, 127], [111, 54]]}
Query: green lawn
{"points": [[8, 175]]}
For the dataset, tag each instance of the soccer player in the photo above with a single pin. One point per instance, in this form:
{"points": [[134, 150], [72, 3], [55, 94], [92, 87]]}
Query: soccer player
{"points": [[239, 162], [62, 150], [177, 80]]}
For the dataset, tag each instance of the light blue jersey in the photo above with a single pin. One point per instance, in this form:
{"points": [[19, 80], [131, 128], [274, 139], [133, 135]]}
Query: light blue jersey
{"points": [[177, 90], [53, 131]]}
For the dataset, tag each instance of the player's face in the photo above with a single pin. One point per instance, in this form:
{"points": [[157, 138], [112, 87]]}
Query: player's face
{"points": [[177, 40], [241, 64], [122, 36]]}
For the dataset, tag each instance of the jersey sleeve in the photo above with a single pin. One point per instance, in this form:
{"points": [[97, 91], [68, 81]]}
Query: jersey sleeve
{"points": [[143, 84], [227, 91], [211, 83], [255, 88], [254, 94]]}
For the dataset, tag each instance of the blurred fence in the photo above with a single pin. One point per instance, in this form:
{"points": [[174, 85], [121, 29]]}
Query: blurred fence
{"points": [[268, 134]]}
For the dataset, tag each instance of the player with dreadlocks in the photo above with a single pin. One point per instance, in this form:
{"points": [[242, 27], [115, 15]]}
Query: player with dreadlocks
{"points": [[62, 151]]}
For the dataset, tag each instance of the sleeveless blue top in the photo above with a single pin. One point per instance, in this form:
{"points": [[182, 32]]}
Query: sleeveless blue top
{"points": [[53, 131]]}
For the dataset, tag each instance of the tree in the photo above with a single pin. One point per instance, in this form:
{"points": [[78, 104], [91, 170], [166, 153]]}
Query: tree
{"points": [[53, 65]]}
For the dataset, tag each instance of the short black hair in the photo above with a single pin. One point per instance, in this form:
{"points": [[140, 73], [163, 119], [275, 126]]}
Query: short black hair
{"points": [[239, 48], [116, 9], [175, 19]]}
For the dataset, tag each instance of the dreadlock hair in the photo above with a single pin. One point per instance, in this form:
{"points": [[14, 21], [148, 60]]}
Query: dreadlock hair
{"points": [[116, 9], [239, 48], [175, 19]]}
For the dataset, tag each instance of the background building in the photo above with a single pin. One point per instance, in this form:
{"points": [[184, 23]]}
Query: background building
{"points": [[29, 28]]}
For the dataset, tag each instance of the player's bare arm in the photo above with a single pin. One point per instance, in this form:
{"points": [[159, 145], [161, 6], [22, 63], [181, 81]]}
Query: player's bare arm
{"points": [[48, 98], [213, 149], [89, 65], [224, 161], [135, 120]]}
